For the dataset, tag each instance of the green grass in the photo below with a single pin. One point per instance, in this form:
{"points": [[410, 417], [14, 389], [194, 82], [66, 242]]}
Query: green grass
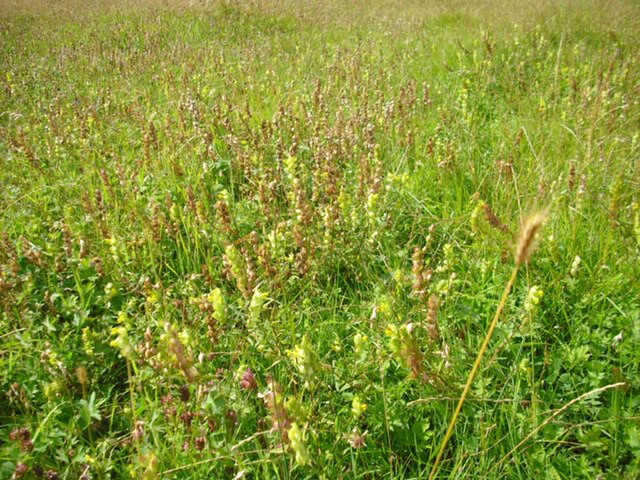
{"points": [[238, 186]]}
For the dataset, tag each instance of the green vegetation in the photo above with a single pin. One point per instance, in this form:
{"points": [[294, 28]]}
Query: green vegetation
{"points": [[266, 239]]}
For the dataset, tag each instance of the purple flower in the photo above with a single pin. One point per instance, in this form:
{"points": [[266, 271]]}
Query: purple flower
{"points": [[248, 381]]}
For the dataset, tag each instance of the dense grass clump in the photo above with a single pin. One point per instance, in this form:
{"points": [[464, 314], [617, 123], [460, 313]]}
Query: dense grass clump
{"points": [[266, 239]]}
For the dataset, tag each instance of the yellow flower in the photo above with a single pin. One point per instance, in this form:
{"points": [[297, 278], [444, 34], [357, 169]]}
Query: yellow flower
{"points": [[358, 407], [122, 342], [297, 437], [384, 307], [391, 330]]}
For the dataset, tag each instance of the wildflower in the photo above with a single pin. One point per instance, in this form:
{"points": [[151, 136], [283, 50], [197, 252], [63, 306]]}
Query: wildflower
{"points": [[248, 381], [449, 259], [533, 298], [180, 355], [280, 419], [200, 443], [398, 276], [149, 463], [290, 166], [360, 346], [232, 418], [52, 475], [358, 407], [186, 418], [305, 359], [219, 308], [123, 319], [395, 343], [23, 435], [297, 438], [575, 265], [357, 440], [257, 304], [384, 306], [114, 248], [344, 202], [493, 220], [295, 408], [421, 277], [404, 347], [87, 341], [211, 423], [235, 263], [476, 215], [222, 206], [52, 358], [372, 206], [122, 342], [183, 392], [20, 471], [432, 317], [138, 431], [109, 291], [53, 389], [445, 353], [617, 339]]}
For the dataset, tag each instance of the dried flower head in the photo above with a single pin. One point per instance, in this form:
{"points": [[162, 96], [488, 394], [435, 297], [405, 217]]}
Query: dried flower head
{"points": [[200, 443], [81, 373], [20, 471], [138, 431], [183, 393], [432, 317], [52, 475], [23, 435], [273, 399], [356, 439]]}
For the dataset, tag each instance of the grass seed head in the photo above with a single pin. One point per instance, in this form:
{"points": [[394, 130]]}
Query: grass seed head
{"points": [[527, 241]]}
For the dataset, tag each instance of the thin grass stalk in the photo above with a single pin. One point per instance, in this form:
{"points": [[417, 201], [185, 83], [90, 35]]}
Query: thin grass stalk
{"points": [[474, 370], [523, 252]]}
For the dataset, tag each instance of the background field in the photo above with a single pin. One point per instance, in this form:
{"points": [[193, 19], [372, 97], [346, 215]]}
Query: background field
{"points": [[265, 239]]}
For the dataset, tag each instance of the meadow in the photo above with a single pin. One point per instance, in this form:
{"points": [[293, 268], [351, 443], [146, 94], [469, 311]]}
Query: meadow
{"points": [[267, 239]]}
